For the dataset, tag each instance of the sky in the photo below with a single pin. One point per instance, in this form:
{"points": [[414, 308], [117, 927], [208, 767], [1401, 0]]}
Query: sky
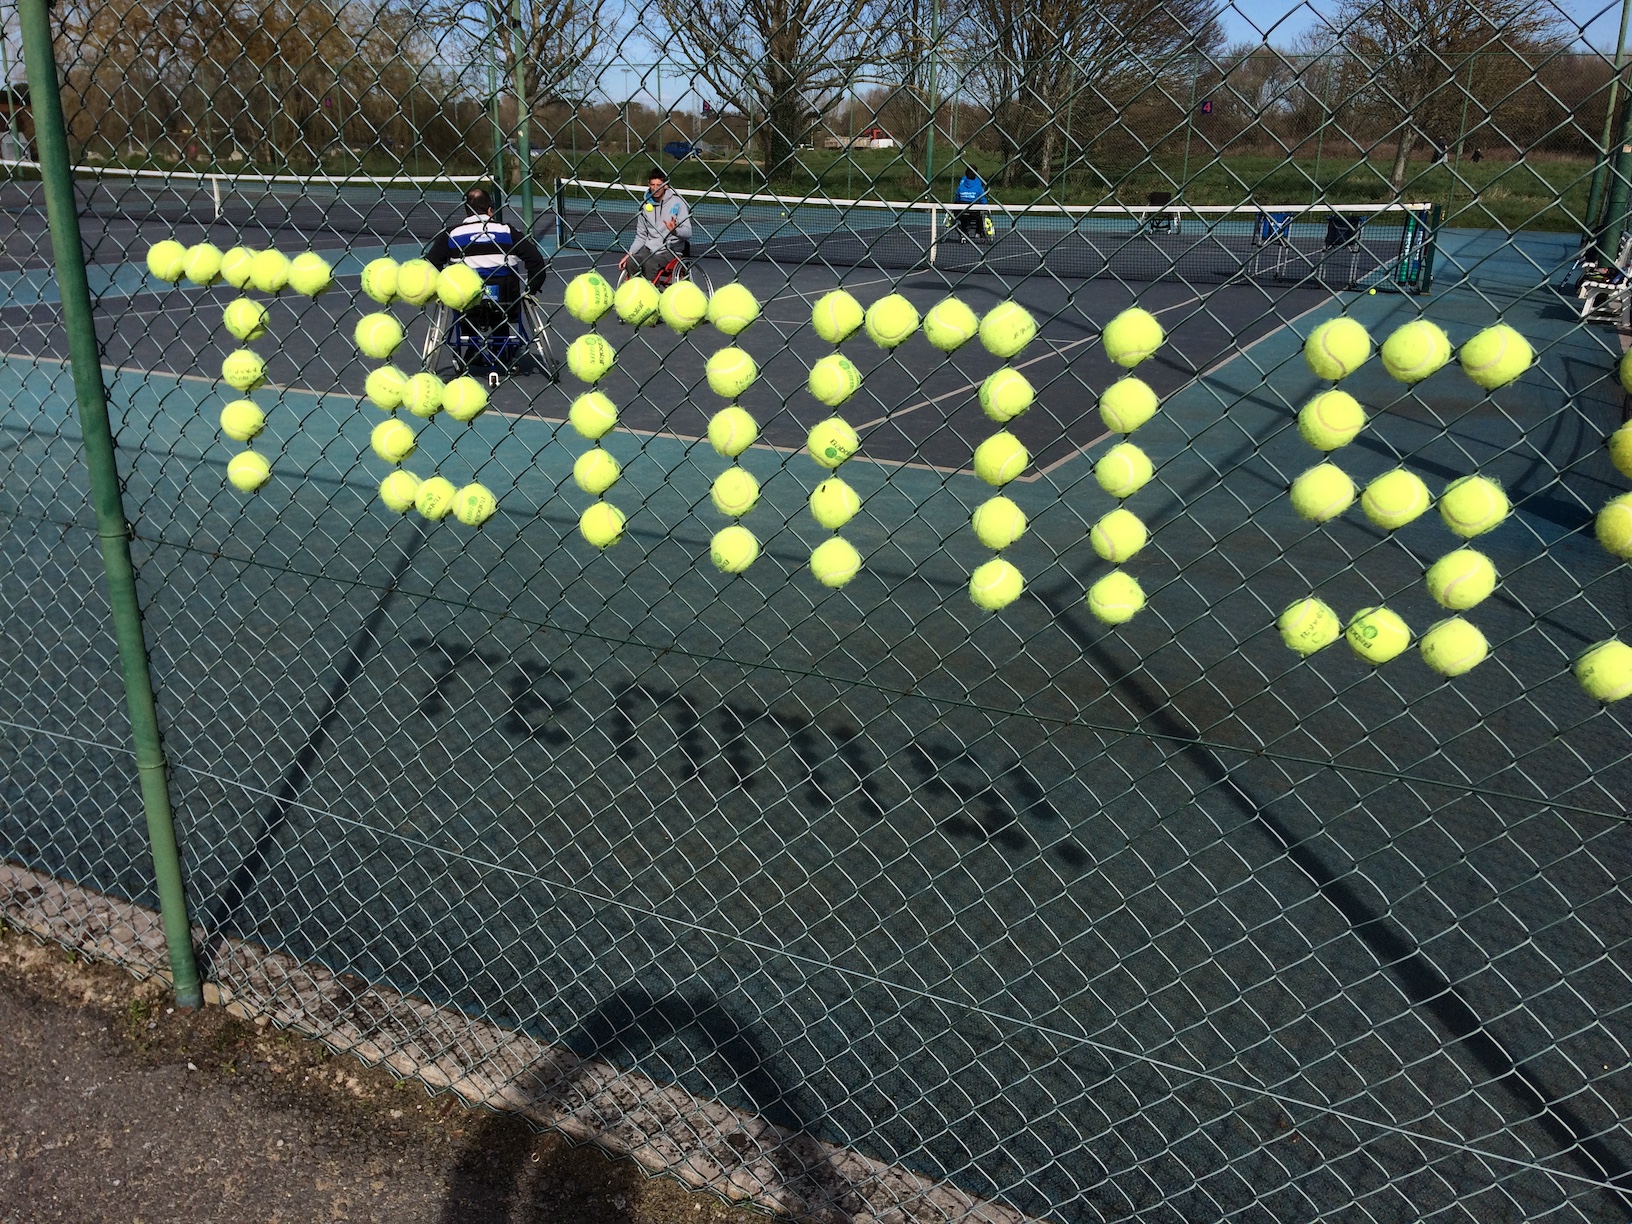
{"points": [[1284, 20]]}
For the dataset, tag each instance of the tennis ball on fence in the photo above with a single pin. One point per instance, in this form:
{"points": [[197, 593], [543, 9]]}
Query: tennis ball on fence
{"points": [[248, 471], [242, 421], [1116, 598], [1395, 499], [735, 491], [834, 379], [1614, 526], [423, 394], [1620, 449], [731, 431], [459, 286], [835, 562], [1472, 506], [998, 522], [1322, 493], [378, 335], [1118, 535], [1308, 625], [1624, 369], [385, 386], [310, 274], [1496, 356], [380, 280], [1132, 336], [836, 316], [890, 320], [731, 372], [167, 260], [1005, 395], [733, 549], [833, 503], [1123, 470], [1330, 420], [950, 325], [596, 471], [1377, 634], [474, 504], [392, 440], [589, 357], [832, 441], [1000, 458], [269, 271], [416, 281], [588, 296], [1605, 670], [204, 263], [732, 308], [601, 524], [593, 415], [245, 319], [1461, 579], [435, 498], [1127, 404], [1453, 646], [683, 306], [1415, 351], [236, 266], [636, 300], [1337, 348], [996, 584], [398, 490], [244, 370], [1007, 328], [464, 399]]}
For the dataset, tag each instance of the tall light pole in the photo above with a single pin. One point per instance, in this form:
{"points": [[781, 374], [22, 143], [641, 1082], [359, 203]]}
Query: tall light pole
{"points": [[934, 95], [524, 117], [1595, 197]]}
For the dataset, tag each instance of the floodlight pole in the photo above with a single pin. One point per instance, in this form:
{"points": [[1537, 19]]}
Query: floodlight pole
{"points": [[1595, 196], [524, 119], [493, 97], [934, 96]]}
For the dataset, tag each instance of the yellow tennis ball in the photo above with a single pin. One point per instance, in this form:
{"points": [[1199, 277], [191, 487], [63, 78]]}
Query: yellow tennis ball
{"points": [[731, 431], [836, 316], [1005, 395], [996, 584], [589, 357], [435, 498], [1415, 351], [890, 320], [399, 489], [731, 372], [1461, 579], [1126, 405], [1119, 535], [392, 440], [1007, 328], [378, 335], [1395, 499], [1605, 671], [236, 266], [1132, 336], [1322, 493], [683, 306], [733, 549], [735, 491], [1123, 470], [423, 394], [1453, 646], [310, 274], [416, 281], [245, 319], [602, 524], [248, 471], [636, 300], [832, 441], [833, 503], [834, 379], [1337, 348], [474, 504], [1308, 625], [464, 399], [1000, 458], [998, 522], [1330, 420], [244, 370], [593, 415], [1620, 449], [732, 308], [1496, 356], [1472, 506], [1614, 526], [596, 471], [167, 260], [385, 386], [588, 296], [269, 271], [459, 286], [204, 263], [950, 325], [834, 562], [1116, 598], [380, 281], [1377, 634], [242, 421], [1624, 369]]}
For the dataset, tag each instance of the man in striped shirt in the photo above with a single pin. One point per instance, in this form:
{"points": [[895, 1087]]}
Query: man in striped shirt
{"points": [[508, 260]]}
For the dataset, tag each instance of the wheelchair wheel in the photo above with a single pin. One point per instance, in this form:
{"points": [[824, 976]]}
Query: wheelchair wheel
{"points": [[540, 347], [693, 272]]}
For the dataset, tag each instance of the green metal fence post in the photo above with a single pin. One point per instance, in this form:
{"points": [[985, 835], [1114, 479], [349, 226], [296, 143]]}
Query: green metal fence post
{"points": [[112, 528], [1600, 172]]}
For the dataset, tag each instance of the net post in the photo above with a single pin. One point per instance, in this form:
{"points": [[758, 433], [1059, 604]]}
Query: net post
{"points": [[1430, 243], [215, 190], [934, 215], [560, 213]]}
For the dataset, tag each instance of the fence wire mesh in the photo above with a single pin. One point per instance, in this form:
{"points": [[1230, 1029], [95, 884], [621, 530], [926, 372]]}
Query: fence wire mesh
{"points": [[837, 891]]}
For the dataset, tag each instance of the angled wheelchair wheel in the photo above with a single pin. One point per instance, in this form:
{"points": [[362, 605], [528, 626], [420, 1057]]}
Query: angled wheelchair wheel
{"points": [[540, 347], [436, 337]]}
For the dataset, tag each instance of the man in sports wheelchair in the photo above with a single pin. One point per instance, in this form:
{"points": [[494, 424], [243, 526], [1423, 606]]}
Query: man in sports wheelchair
{"points": [[662, 234]]}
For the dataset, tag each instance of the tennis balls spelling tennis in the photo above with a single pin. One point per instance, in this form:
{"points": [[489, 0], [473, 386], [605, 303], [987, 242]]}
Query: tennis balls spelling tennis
{"points": [[1415, 351], [204, 263], [732, 308], [1461, 579], [1614, 526], [835, 562], [593, 415], [167, 260], [1308, 625], [1005, 395], [833, 503], [589, 357], [1496, 356], [385, 386], [1132, 336], [832, 441], [1453, 647], [731, 431], [836, 316], [474, 504], [236, 265], [244, 370], [1395, 499], [423, 394], [392, 440], [242, 421], [310, 274], [733, 549], [1620, 449], [378, 335], [596, 471], [834, 379], [1123, 470], [416, 281], [1377, 634], [683, 306], [1007, 328], [248, 471], [1605, 671], [1119, 535], [602, 524], [588, 296], [1472, 506], [1127, 404], [269, 271], [950, 325], [998, 522], [464, 399], [380, 281], [996, 584], [731, 372], [734, 492], [1330, 420], [890, 320], [1116, 598], [459, 286], [399, 489], [636, 300], [245, 319], [435, 498], [1322, 493], [1337, 348], [1000, 458]]}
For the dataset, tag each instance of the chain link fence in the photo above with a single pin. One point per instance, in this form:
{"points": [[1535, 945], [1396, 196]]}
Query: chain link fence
{"points": [[841, 892]]}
